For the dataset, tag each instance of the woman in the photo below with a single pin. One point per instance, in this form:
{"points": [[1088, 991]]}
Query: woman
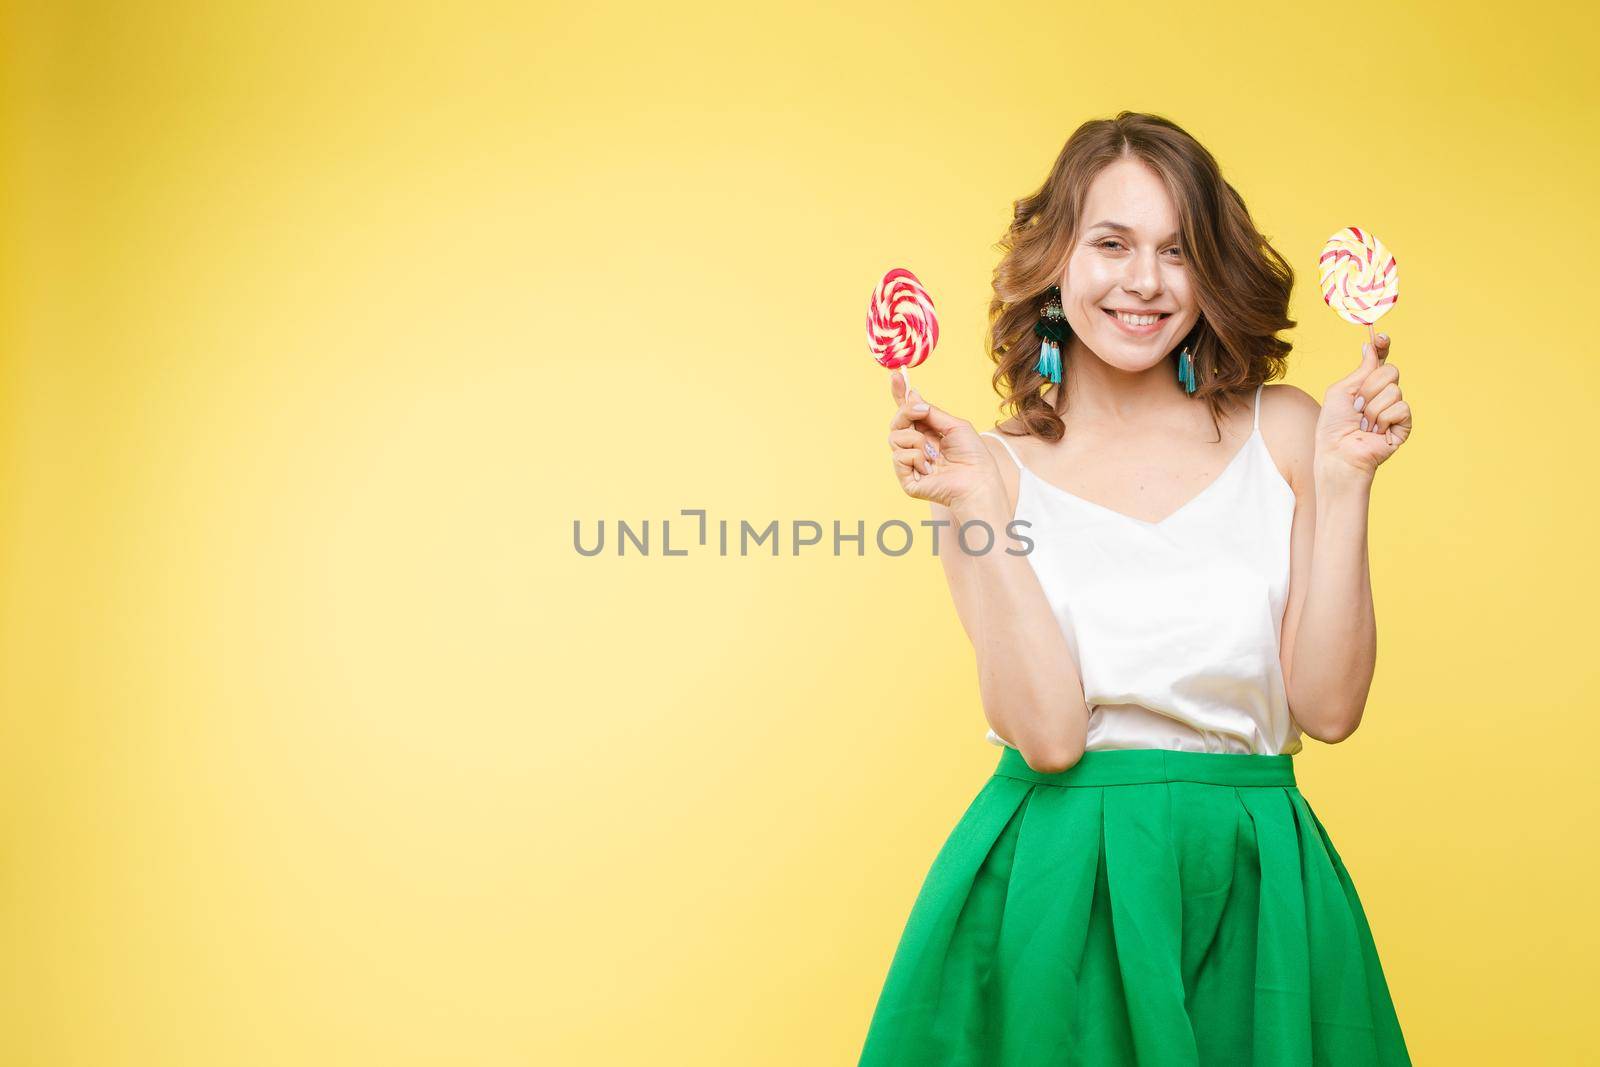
{"points": [[1140, 881]]}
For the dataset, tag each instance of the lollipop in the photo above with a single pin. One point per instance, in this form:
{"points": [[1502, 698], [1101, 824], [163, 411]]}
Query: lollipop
{"points": [[901, 325], [1360, 279]]}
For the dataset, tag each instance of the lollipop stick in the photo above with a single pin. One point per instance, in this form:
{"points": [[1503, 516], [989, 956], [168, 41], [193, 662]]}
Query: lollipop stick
{"points": [[1372, 339], [905, 373]]}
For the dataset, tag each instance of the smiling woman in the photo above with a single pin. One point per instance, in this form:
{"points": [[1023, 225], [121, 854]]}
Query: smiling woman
{"points": [[1225, 289], [1141, 881]]}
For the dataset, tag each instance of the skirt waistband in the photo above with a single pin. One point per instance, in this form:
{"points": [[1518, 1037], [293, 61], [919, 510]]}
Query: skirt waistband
{"points": [[1140, 766]]}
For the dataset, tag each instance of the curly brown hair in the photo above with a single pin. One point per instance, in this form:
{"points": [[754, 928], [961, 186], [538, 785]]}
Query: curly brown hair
{"points": [[1242, 283]]}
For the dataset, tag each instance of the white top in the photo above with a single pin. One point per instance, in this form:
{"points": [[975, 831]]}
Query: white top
{"points": [[1174, 625]]}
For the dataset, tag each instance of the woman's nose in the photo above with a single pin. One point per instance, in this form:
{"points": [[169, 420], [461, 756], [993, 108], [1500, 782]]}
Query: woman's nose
{"points": [[1144, 276]]}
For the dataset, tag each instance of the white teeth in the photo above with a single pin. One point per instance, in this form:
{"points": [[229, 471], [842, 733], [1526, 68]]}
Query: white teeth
{"points": [[1137, 320]]}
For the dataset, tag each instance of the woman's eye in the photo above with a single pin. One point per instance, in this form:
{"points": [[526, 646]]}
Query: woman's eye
{"points": [[1112, 245]]}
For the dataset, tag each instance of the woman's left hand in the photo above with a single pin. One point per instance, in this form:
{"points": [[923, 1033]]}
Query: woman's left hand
{"points": [[1363, 420]]}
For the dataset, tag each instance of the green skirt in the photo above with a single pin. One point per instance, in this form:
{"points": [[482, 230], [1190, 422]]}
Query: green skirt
{"points": [[1144, 906]]}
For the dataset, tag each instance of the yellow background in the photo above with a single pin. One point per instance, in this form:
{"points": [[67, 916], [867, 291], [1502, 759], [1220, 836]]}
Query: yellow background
{"points": [[323, 322]]}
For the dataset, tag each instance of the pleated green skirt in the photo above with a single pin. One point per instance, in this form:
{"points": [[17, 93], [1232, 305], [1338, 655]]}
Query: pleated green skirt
{"points": [[1144, 906]]}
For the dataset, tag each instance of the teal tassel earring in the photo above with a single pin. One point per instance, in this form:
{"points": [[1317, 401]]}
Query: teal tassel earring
{"points": [[1051, 329], [1186, 371]]}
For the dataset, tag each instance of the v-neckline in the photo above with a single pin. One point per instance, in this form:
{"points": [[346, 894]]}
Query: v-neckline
{"points": [[1179, 510]]}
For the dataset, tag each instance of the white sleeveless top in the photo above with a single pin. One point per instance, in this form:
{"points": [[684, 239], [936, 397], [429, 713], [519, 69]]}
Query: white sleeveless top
{"points": [[1174, 625]]}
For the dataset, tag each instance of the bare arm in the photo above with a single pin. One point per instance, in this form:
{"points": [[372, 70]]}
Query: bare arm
{"points": [[1331, 631], [1336, 643], [1030, 686], [1330, 643]]}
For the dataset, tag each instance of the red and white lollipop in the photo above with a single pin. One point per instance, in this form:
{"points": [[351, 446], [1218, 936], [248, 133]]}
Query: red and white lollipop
{"points": [[901, 325], [1360, 279]]}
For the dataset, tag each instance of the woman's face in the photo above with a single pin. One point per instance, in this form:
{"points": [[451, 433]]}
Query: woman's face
{"points": [[1127, 258]]}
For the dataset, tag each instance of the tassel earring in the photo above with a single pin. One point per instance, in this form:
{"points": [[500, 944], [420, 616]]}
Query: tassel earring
{"points": [[1051, 329], [1186, 371]]}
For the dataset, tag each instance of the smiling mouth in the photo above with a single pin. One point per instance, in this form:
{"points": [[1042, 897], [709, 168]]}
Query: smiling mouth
{"points": [[1139, 323]]}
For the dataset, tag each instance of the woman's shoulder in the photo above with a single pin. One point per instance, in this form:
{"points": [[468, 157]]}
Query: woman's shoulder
{"points": [[1289, 429], [1284, 395], [1009, 432], [1001, 441]]}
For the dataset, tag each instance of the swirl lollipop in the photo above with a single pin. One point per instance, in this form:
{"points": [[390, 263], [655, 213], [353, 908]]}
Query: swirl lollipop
{"points": [[1360, 279], [901, 325]]}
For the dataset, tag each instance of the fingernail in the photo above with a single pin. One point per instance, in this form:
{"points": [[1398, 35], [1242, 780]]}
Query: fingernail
{"points": [[1363, 422], [1384, 338], [920, 409], [928, 448], [1359, 401]]}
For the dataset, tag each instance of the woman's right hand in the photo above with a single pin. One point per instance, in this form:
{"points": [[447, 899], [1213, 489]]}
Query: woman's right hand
{"points": [[938, 457]]}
